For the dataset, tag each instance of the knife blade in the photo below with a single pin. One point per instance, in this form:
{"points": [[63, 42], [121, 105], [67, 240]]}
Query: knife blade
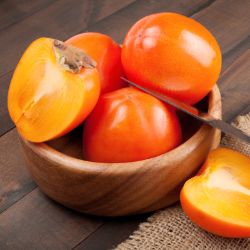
{"points": [[194, 112]]}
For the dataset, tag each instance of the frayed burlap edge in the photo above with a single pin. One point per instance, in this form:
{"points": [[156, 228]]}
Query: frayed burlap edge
{"points": [[171, 229]]}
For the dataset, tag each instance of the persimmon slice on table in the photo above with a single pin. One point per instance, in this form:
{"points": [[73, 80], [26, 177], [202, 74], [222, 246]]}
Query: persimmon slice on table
{"points": [[218, 200], [54, 87]]}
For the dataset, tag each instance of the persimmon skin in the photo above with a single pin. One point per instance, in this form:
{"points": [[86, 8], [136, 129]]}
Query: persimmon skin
{"points": [[129, 125], [106, 53], [45, 100], [219, 210], [172, 54]]}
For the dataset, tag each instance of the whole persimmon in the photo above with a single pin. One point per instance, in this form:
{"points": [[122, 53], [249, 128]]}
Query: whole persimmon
{"points": [[173, 54], [106, 53], [54, 87], [129, 125], [218, 198]]}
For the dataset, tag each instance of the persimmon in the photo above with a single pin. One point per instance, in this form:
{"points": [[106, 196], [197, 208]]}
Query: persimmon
{"points": [[173, 54], [129, 125], [107, 55], [218, 199], [54, 87]]}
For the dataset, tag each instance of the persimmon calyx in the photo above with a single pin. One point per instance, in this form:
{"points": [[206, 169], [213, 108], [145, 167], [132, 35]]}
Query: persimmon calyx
{"points": [[72, 58]]}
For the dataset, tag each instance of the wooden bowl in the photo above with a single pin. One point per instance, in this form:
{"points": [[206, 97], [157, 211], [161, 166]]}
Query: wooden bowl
{"points": [[120, 188]]}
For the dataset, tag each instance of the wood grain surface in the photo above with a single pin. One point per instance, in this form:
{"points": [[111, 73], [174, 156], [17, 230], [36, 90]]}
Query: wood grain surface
{"points": [[21, 22], [15, 11], [235, 87], [38, 223], [15, 181]]}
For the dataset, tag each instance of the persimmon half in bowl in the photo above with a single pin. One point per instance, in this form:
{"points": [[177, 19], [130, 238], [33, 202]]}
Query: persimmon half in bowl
{"points": [[115, 189]]}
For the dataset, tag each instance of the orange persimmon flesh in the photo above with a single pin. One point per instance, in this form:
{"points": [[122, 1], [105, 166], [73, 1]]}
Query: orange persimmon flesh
{"points": [[218, 200], [51, 93]]}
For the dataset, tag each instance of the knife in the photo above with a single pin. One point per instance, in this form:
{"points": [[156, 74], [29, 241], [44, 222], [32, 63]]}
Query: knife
{"points": [[194, 112]]}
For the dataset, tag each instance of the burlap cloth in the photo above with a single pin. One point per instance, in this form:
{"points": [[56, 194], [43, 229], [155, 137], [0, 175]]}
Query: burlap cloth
{"points": [[171, 229]]}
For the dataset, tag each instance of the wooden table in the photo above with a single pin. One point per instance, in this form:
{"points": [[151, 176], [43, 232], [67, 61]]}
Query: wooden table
{"points": [[28, 219]]}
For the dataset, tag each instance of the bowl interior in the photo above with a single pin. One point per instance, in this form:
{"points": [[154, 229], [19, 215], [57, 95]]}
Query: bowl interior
{"points": [[71, 143]]}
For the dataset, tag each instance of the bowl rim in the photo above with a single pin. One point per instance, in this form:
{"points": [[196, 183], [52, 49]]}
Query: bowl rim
{"points": [[77, 165]]}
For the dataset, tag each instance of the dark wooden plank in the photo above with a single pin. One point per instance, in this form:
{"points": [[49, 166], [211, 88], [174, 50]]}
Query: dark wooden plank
{"points": [[235, 87], [111, 233], [15, 181], [236, 52], [5, 121], [61, 20], [36, 222], [13, 11], [220, 17], [118, 24]]}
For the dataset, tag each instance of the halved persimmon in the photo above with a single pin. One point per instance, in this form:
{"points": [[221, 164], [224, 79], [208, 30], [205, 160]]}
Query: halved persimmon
{"points": [[107, 55], [218, 200], [54, 87]]}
